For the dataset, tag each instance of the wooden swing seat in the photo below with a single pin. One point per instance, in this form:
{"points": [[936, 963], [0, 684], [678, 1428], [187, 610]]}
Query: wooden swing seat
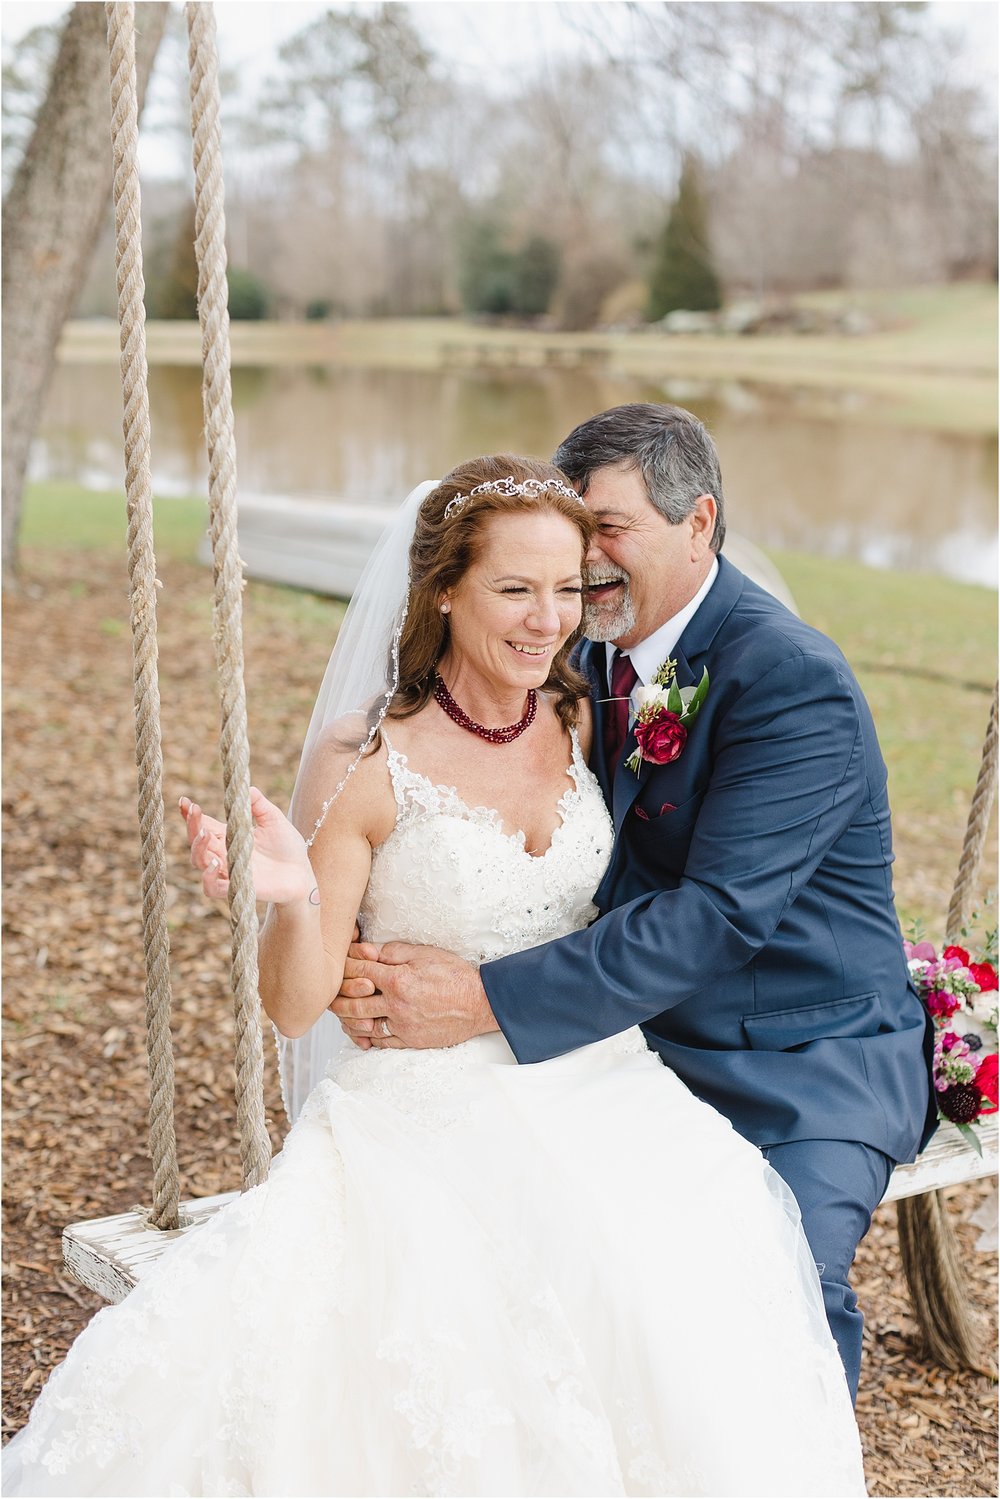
{"points": [[110, 1255]]}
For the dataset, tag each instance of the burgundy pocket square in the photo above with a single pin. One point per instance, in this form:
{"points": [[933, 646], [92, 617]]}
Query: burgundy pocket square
{"points": [[667, 807]]}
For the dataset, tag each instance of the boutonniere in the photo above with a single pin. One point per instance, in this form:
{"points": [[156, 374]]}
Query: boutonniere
{"points": [[664, 714]]}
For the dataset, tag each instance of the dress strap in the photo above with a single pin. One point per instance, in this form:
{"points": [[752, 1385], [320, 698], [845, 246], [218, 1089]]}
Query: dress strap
{"points": [[398, 770], [578, 762]]}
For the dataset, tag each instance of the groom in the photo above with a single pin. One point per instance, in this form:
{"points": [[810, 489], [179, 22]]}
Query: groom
{"points": [[747, 913]]}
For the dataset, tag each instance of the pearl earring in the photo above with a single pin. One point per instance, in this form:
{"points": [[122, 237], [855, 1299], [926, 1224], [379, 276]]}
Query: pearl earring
{"points": [[445, 608]]}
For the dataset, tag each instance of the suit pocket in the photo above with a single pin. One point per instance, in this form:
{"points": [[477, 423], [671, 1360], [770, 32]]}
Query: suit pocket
{"points": [[663, 817], [783, 1030]]}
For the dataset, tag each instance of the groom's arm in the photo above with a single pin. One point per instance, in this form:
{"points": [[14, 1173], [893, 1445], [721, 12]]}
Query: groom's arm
{"points": [[788, 776]]}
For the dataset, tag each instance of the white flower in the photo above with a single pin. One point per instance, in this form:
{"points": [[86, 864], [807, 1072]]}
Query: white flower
{"points": [[650, 697], [983, 1007], [972, 1025]]}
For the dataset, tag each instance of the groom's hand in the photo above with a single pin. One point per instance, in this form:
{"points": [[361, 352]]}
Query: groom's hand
{"points": [[429, 997]]}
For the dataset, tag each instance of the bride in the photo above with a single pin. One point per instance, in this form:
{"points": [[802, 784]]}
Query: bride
{"points": [[462, 1276]]}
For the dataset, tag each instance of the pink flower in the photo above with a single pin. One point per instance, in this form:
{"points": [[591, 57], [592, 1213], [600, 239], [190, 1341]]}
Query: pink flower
{"points": [[942, 1004], [923, 951]]}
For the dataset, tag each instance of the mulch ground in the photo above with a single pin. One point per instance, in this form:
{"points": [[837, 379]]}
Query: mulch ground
{"points": [[75, 1082]]}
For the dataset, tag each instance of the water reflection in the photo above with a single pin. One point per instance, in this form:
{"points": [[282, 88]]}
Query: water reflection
{"points": [[801, 471]]}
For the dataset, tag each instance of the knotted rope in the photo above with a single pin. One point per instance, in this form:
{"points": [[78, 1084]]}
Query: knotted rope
{"points": [[142, 603], [926, 1240], [213, 313]]}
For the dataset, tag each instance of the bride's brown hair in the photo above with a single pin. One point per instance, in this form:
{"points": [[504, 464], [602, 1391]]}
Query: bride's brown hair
{"points": [[445, 547]]}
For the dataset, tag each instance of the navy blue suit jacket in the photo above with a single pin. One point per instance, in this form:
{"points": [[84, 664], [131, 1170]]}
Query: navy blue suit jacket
{"points": [[747, 912]]}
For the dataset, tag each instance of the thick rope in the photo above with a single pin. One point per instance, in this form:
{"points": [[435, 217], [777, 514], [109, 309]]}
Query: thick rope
{"points": [[926, 1239], [142, 597], [213, 312], [936, 1282], [975, 831]]}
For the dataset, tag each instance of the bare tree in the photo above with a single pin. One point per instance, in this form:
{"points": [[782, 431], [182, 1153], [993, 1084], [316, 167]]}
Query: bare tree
{"points": [[25, 78], [52, 217]]}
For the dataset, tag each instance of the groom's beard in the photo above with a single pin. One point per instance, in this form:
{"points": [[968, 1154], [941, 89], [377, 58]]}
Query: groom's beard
{"points": [[616, 617]]}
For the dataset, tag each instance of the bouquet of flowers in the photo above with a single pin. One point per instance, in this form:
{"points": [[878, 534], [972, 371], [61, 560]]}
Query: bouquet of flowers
{"points": [[962, 997]]}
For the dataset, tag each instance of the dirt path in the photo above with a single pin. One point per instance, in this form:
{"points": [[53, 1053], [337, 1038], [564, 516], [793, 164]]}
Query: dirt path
{"points": [[74, 1081]]}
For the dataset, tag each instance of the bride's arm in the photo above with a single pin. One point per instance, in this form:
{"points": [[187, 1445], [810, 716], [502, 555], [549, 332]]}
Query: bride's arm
{"points": [[304, 942]]}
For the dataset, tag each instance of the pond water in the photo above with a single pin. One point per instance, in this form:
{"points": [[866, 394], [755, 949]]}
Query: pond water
{"points": [[805, 471]]}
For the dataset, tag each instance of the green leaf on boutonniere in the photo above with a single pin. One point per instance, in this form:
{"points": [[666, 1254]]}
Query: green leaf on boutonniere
{"points": [[675, 703], [700, 693]]}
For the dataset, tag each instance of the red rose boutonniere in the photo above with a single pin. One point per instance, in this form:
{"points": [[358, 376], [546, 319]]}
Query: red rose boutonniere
{"points": [[665, 713]]}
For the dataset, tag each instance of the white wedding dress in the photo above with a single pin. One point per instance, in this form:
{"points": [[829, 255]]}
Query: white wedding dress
{"points": [[468, 1277]]}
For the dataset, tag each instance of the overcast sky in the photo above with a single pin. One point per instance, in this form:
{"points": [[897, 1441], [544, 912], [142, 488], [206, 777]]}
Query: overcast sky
{"points": [[485, 36], [469, 31]]}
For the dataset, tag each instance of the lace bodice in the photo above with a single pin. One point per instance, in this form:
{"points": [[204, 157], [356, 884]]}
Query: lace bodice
{"points": [[449, 875]]}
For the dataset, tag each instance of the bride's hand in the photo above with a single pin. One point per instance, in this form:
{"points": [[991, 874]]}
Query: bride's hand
{"points": [[281, 869]]}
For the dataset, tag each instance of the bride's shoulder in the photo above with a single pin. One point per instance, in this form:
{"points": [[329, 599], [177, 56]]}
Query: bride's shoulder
{"points": [[341, 738], [341, 762]]}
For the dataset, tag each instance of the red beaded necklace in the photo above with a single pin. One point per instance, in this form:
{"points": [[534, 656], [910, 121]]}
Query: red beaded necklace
{"points": [[494, 736]]}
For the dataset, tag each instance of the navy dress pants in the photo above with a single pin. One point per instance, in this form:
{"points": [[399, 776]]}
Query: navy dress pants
{"points": [[837, 1184]]}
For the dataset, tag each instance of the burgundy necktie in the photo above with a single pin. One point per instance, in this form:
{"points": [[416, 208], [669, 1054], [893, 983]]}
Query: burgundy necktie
{"points": [[623, 679]]}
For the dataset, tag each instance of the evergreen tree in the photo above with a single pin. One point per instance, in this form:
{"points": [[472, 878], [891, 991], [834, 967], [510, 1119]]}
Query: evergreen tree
{"points": [[175, 294], [486, 269], [536, 274], [683, 273], [248, 296]]}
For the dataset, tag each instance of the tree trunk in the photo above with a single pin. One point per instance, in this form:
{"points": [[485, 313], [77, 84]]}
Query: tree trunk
{"points": [[51, 221]]}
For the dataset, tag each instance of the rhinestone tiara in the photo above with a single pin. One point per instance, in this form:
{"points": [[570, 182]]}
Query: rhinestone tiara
{"points": [[510, 487]]}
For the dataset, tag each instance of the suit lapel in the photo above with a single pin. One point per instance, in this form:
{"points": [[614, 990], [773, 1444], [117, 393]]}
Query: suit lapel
{"points": [[715, 609], [694, 644], [593, 664]]}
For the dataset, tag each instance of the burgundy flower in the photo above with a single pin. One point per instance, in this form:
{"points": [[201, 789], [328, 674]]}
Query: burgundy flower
{"points": [[961, 1103], [660, 737]]}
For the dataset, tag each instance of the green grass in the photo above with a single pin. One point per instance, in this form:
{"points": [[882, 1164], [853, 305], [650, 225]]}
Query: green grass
{"points": [[956, 325], [924, 649], [62, 514]]}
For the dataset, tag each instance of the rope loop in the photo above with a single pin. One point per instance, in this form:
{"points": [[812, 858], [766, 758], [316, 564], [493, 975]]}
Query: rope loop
{"points": [[213, 314], [142, 602]]}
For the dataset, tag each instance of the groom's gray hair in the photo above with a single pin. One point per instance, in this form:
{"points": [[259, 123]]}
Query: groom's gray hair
{"points": [[669, 446]]}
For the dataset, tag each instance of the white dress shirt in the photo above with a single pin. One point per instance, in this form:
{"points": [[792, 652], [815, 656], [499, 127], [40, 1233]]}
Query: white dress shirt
{"points": [[649, 655]]}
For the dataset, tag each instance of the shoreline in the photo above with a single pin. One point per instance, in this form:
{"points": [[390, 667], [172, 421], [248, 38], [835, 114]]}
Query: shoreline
{"points": [[928, 374]]}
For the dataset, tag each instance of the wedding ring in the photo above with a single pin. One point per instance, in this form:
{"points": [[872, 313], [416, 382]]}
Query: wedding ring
{"points": [[383, 1026]]}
